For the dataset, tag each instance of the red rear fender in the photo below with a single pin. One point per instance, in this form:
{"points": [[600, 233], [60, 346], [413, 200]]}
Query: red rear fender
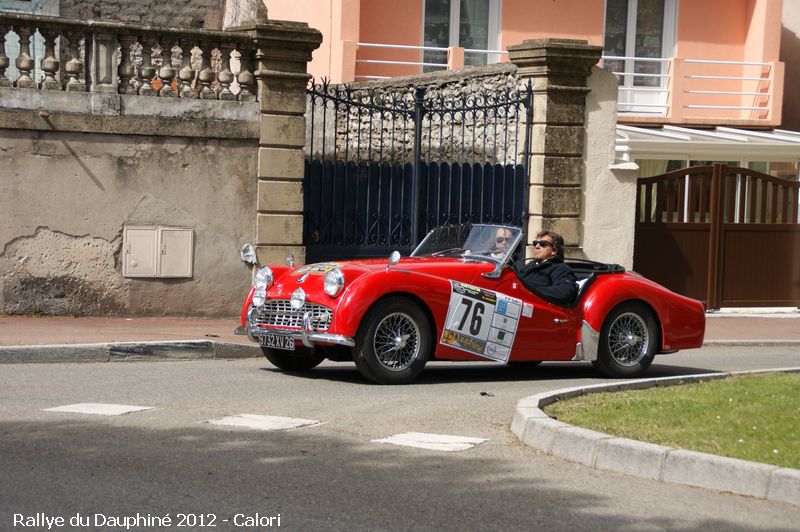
{"points": [[682, 319]]}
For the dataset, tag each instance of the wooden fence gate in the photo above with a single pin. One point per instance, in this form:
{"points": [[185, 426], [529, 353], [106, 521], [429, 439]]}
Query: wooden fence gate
{"points": [[725, 235]]}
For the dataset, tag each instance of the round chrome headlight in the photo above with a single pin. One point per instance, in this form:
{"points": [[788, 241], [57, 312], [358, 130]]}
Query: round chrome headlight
{"points": [[259, 297], [334, 282], [263, 278], [298, 299], [262, 282]]}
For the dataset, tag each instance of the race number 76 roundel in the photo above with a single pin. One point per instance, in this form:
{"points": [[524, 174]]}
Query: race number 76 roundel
{"points": [[481, 321]]}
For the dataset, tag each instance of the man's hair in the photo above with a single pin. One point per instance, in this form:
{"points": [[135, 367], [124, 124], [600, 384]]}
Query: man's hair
{"points": [[558, 241]]}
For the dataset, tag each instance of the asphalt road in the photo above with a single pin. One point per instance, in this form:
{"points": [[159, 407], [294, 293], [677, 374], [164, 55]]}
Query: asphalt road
{"points": [[98, 471]]}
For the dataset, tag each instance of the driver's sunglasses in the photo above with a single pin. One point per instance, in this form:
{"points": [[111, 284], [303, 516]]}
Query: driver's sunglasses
{"points": [[543, 243], [501, 239]]}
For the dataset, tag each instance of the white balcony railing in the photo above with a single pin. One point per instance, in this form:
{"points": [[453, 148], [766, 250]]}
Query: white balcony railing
{"points": [[695, 89], [641, 92], [398, 63], [660, 90]]}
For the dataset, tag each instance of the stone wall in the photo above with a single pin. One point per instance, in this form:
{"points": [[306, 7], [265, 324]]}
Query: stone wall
{"points": [[77, 167], [183, 13], [448, 134]]}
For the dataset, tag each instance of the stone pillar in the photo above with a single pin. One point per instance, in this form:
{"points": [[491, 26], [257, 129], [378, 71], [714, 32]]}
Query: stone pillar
{"points": [[282, 52], [558, 70], [104, 63]]}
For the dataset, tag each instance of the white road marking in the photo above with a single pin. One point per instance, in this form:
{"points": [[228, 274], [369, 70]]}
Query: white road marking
{"points": [[258, 422], [100, 409], [434, 442]]}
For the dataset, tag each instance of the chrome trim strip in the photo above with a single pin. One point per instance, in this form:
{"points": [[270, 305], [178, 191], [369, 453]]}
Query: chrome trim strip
{"points": [[587, 348]]}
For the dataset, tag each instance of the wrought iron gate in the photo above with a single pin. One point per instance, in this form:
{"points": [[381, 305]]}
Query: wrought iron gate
{"points": [[726, 235], [384, 167]]}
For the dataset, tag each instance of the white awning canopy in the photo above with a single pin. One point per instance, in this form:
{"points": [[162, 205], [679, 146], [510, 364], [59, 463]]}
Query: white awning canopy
{"points": [[716, 144]]}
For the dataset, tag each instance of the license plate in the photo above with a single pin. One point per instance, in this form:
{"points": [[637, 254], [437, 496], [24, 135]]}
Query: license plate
{"points": [[278, 341]]}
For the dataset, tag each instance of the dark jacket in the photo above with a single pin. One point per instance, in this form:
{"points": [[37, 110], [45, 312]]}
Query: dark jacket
{"points": [[551, 280]]}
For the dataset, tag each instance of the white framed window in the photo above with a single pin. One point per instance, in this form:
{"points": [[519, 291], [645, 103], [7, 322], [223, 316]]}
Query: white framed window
{"points": [[639, 38], [470, 24]]}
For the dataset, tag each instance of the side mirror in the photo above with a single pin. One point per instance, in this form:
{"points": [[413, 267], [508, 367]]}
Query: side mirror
{"points": [[248, 254], [394, 258]]}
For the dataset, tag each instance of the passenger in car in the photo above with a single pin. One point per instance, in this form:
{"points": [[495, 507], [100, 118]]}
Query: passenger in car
{"points": [[503, 238], [546, 275]]}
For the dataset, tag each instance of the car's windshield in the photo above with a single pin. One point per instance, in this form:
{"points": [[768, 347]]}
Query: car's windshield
{"points": [[495, 242]]}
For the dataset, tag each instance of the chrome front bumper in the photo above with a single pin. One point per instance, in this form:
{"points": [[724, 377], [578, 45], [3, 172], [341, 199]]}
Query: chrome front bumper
{"points": [[305, 334]]}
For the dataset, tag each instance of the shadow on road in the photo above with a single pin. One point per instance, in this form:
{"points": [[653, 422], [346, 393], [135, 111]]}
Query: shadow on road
{"points": [[315, 480], [453, 372]]}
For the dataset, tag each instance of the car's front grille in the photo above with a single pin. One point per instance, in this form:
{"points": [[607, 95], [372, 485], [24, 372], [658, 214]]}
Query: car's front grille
{"points": [[279, 313]]}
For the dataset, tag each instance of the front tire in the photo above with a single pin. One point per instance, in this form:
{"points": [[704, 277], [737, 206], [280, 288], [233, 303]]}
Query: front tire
{"points": [[628, 341], [301, 359], [394, 342]]}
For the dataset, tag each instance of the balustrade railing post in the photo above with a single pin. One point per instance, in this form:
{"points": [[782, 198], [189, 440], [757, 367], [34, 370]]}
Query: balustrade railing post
{"points": [[246, 79], [50, 63], [225, 75], [126, 70], [167, 72], [81, 56], [147, 72], [4, 60], [74, 66], [24, 62], [186, 74], [207, 75]]}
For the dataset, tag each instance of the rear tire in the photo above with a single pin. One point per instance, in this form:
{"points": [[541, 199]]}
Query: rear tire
{"points": [[628, 341], [394, 342], [301, 359]]}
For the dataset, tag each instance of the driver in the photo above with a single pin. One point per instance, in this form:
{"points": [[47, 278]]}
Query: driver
{"points": [[503, 238], [547, 276]]}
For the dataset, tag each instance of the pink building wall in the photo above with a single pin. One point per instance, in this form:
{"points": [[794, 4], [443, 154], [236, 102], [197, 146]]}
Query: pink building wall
{"points": [[338, 21], [565, 19], [390, 22], [718, 30]]}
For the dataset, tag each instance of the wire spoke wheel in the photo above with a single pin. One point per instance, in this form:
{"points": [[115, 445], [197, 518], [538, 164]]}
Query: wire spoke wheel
{"points": [[394, 341], [397, 341], [628, 339]]}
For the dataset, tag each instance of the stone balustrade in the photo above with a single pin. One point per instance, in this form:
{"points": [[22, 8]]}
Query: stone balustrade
{"points": [[110, 57]]}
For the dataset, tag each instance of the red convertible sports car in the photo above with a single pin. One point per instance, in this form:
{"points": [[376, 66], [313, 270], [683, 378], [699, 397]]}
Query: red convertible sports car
{"points": [[458, 298]]}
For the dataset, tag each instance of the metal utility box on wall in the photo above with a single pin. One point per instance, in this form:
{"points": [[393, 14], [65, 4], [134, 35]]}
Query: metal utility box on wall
{"points": [[157, 251]]}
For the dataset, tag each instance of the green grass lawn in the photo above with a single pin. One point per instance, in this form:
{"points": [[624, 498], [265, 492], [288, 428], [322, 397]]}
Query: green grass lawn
{"points": [[754, 417]]}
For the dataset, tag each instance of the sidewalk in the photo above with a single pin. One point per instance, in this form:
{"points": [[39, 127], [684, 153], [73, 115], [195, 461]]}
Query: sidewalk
{"points": [[53, 330], [723, 327]]}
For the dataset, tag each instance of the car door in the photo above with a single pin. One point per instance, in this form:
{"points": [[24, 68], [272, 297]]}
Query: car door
{"points": [[545, 331]]}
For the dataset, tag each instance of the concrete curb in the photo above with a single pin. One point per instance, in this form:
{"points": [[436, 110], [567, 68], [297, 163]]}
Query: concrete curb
{"points": [[195, 350], [646, 460], [127, 352], [770, 343]]}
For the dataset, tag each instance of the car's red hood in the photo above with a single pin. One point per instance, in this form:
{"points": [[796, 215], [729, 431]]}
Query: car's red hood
{"points": [[310, 277]]}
